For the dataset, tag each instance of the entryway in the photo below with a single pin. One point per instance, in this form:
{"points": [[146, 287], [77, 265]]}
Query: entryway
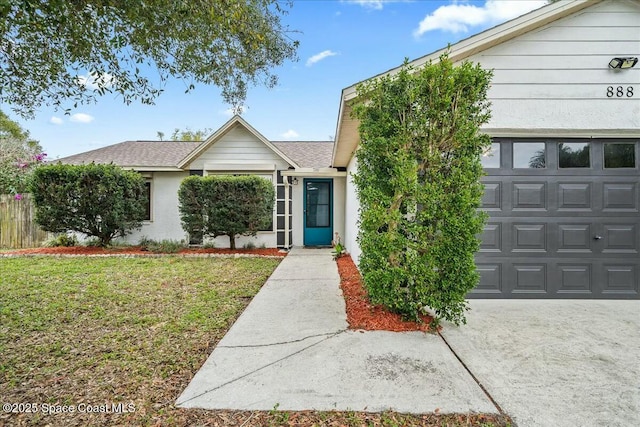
{"points": [[318, 211]]}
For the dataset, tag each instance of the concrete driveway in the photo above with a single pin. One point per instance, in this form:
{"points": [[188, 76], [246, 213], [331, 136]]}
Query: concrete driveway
{"points": [[555, 363]]}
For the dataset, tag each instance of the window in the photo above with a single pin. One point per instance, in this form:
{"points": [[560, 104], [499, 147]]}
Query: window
{"points": [[619, 156], [147, 192], [491, 157], [574, 155], [318, 204], [529, 155]]}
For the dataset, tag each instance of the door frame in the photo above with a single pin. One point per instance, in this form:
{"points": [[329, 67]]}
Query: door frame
{"points": [[304, 209]]}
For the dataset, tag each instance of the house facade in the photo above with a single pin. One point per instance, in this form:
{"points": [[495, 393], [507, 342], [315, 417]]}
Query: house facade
{"points": [[563, 174], [562, 178], [309, 194]]}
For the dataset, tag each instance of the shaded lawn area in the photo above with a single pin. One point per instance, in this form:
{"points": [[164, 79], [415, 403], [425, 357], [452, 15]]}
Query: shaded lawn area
{"points": [[134, 331]]}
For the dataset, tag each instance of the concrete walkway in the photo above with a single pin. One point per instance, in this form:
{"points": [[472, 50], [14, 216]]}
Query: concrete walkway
{"points": [[291, 348], [560, 363]]}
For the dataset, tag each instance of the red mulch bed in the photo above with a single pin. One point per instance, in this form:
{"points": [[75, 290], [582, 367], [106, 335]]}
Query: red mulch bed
{"points": [[361, 314], [137, 250]]}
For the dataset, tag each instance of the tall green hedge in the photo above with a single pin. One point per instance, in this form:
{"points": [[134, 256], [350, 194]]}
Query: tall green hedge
{"points": [[103, 201], [226, 205], [418, 186]]}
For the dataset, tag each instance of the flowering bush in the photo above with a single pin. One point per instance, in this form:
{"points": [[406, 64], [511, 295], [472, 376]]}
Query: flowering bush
{"points": [[25, 170], [19, 156]]}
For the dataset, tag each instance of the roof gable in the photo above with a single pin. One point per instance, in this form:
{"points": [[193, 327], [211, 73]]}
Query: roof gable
{"points": [[233, 123]]}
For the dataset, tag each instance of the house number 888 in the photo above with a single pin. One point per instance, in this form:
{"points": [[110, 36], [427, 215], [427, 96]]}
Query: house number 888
{"points": [[619, 92]]}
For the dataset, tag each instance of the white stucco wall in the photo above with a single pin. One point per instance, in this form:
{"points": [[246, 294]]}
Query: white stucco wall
{"points": [[352, 207], [165, 217]]}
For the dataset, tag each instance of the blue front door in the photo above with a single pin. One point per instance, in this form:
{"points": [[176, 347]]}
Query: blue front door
{"points": [[318, 212]]}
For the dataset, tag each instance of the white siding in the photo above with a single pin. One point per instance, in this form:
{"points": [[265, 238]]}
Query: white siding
{"points": [[352, 207], [557, 77], [239, 146], [165, 217]]}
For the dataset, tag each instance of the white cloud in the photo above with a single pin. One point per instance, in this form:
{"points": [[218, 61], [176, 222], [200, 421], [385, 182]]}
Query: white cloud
{"points": [[56, 120], [94, 81], [371, 4], [459, 17], [81, 118], [320, 56], [290, 134]]}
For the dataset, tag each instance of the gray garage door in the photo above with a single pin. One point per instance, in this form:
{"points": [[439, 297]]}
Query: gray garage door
{"points": [[563, 220]]}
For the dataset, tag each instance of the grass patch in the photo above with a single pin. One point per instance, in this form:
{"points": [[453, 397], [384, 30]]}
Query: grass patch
{"points": [[121, 330], [101, 331]]}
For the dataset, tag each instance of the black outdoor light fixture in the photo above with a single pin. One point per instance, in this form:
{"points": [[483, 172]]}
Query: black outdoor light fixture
{"points": [[623, 63]]}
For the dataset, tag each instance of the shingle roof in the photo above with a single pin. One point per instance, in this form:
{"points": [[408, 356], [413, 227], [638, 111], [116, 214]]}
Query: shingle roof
{"points": [[137, 153], [307, 154]]}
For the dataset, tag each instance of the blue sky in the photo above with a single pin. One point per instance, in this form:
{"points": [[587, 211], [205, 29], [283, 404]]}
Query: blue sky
{"points": [[341, 43]]}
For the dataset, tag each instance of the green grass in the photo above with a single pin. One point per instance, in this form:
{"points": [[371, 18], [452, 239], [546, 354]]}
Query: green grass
{"points": [[115, 329], [136, 330]]}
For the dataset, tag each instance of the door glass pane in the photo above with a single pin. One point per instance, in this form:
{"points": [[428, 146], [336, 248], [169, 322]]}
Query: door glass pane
{"points": [[491, 157], [318, 204], [619, 156], [530, 155], [574, 155]]}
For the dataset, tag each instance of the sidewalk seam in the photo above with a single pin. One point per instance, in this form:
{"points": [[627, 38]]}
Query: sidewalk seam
{"points": [[484, 390]]}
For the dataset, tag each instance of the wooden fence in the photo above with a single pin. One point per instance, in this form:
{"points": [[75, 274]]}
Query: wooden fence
{"points": [[17, 227]]}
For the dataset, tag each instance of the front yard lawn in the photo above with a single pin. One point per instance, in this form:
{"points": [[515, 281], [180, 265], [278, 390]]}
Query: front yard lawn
{"points": [[114, 330], [90, 333]]}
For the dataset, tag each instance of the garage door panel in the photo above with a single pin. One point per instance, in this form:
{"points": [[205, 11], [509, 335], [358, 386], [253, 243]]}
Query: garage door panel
{"points": [[529, 238], [620, 197], [575, 238], [529, 278], [530, 196], [490, 279], [492, 197], [575, 278], [491, 238], [620, 278], [620, 238], [575, 197]]}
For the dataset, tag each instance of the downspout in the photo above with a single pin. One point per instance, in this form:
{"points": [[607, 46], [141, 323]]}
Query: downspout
{"points": [[285, 179]]}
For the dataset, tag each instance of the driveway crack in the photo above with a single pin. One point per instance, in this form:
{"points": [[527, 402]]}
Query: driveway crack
{"points": [[283, 342], [464, 365], [327, 337]]}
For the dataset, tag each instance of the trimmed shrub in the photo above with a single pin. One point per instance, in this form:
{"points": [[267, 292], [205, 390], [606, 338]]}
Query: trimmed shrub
{"points": [[226, 205], [101, 201], [63, 240], [418, 185]]}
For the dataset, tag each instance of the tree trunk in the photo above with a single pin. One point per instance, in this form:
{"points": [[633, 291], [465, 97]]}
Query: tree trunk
{"points": [[232, 242]]}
